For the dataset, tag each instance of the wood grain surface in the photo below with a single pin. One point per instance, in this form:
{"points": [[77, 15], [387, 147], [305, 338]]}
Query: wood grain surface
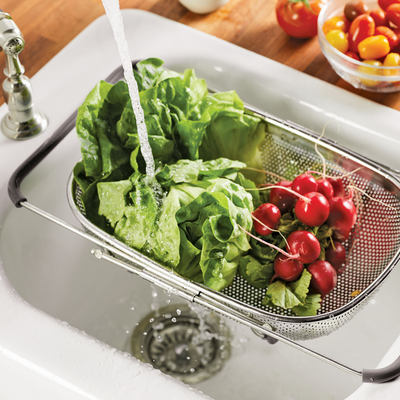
{"points": [[49, 25]]}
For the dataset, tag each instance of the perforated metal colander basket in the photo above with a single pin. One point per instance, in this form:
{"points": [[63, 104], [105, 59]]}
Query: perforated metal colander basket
{"points": [[374, 241], [373, 245]]}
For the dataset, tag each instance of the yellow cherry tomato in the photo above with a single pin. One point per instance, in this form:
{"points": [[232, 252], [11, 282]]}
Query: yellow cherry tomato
{"points": [[338, 39], [374, 47], [369, 70], [392, 60], [340, 23]]}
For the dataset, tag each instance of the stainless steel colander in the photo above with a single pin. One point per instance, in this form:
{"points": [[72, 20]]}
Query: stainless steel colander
{"points": [[374, 243]]}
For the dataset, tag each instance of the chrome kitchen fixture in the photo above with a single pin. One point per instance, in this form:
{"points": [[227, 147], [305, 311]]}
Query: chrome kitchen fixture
{"points": [[22, 121]]}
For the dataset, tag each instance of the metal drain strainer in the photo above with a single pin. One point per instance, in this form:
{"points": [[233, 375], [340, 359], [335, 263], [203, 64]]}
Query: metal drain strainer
{"points": [[187, 345]]}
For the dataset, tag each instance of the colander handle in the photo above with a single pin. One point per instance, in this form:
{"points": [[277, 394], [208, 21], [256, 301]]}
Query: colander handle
{"points": [[381, 375], [14, 184]]}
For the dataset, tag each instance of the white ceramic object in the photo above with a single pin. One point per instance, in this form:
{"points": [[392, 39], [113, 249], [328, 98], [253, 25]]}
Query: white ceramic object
{"points": [[52, 289], [203, 6]]}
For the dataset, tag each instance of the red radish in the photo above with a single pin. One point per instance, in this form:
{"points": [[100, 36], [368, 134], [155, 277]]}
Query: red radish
{"points": [[267, 218], [325, 188], [304, 183], [287, 269], [337, 185], [301, 245], [341, 234], [336, 256], [343, 214], [324, 277], [283, 199], [313, 212], [304, 246]]}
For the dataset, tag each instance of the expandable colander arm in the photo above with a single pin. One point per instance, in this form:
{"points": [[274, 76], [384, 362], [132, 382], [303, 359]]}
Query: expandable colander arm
{"points": [[14, 184], [186, 289]]}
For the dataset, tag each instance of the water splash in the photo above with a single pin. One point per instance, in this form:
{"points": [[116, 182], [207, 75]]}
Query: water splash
{"points": [[113, 12]]}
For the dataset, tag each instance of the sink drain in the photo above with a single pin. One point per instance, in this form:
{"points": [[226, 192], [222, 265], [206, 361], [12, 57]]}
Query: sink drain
{"points": [[187, 345]]}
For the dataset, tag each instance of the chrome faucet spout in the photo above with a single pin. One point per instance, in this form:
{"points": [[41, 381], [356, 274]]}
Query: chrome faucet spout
{"points": [[23, 120]]}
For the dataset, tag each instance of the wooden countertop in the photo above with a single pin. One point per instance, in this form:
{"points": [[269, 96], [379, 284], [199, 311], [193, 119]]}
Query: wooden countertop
{"points": [[49, 25]]}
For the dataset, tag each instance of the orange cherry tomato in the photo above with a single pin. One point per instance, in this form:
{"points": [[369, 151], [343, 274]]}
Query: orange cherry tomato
{"points": [[338, 40], [393, 14], [384, 4], [299, 18], [379, 16], [392, 60], [369, 70], [336, 23], [361, 28], [374, 47], [389, 34]]}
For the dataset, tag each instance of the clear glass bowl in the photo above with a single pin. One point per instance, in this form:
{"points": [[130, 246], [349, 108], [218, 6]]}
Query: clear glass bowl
{"points": [[360, 75]]}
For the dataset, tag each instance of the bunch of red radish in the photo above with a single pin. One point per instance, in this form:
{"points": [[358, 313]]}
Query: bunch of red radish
{"points": [[315, 202]]}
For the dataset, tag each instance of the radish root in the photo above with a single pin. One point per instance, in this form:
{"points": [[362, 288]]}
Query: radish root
{"points": [[266, 172], [270, 244], [370, 197], [266, 226], [306, 199]]}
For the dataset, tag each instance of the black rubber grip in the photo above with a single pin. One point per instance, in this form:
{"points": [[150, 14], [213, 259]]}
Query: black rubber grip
{"points": [[14, 184], [382, 375]]}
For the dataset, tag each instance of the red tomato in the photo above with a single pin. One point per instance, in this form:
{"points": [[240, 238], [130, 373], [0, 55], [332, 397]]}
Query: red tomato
{"points": [[379, 16], [384, 4], [361, 28], [397, 33], [393, 14], [298, 19], [389, 34], [352, 55]]}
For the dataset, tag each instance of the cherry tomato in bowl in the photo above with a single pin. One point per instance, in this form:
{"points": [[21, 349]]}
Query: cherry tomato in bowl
{"points": [[299, 18], [376, 69]]}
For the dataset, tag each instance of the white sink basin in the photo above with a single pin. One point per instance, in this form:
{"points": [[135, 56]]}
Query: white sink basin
{"points": [[64, 313]]}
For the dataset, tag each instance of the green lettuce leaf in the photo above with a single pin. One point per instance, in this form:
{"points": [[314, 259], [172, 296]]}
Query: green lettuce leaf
{"points": [[293, 295], [311, 305], [210, 223], [165, 241], [87, 114], [249, 184], [233, 134], [192, 171], [137, 223], [149, 72], [256, 274], [112, 196]]}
